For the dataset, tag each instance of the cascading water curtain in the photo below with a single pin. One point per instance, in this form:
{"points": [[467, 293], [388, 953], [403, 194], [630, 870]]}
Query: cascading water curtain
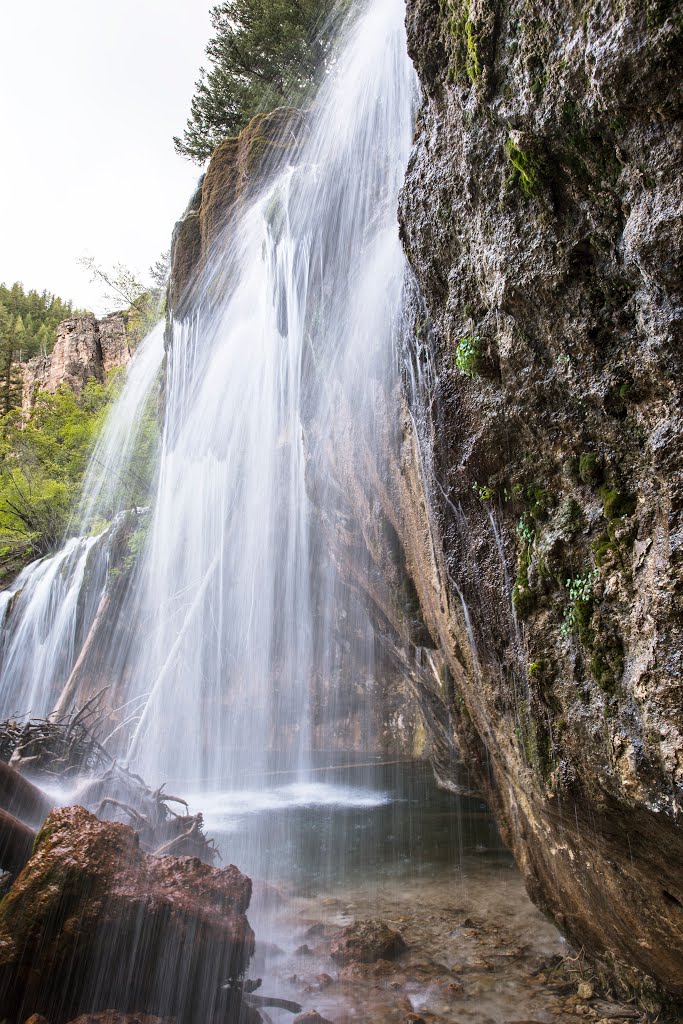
{"points": [[298, 343], [234, 606]]}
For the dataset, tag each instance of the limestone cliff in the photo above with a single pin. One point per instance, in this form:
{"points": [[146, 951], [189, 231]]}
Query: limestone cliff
{"points": [[85, 348], [540, 480]]}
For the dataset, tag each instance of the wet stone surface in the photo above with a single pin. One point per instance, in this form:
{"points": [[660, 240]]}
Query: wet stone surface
{"points": [[477, 952]]}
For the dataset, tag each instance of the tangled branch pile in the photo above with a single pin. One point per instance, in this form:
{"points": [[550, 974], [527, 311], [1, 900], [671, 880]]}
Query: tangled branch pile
{"points": [[68, 751], [62, 747]]}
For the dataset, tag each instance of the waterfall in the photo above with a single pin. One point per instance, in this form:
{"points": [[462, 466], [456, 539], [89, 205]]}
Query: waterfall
{"points": [[232, 609], [47, 613], [238, 604]]}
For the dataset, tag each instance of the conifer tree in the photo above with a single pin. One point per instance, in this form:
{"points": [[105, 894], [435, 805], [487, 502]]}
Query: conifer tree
{"points": [[264, 53]]}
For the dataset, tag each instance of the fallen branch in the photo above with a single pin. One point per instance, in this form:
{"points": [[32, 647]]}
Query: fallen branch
{"points": [[21, 798], [270, 1001], [16, 843]]}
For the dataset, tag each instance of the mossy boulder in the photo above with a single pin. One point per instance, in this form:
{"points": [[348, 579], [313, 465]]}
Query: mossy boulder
{"points": [[93, 923]]}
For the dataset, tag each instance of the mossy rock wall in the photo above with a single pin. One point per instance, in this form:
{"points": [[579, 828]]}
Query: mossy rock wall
{"points": [[542, 525]]}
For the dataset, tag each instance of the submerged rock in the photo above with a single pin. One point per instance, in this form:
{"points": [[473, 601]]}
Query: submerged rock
{"points": [[94, 923], [311, 1017], [114, 1017], [365, 942]]}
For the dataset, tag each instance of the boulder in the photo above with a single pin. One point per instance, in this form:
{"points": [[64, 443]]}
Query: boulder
{"points": [[93, 923], [365, 942]]}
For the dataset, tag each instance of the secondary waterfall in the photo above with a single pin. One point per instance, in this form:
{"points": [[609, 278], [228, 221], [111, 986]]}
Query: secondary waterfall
{"points": [[233, 605], [47, 613]]}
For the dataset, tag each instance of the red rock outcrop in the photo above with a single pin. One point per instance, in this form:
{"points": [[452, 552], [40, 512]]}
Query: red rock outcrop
{"points": [[86, 348], [93, 923]]}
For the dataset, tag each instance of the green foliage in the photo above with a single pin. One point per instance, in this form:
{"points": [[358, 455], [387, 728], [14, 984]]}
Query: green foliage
{"points": [[467, 355], [483, 491], [145, 304], [263, 53], [577, 614], [526, 529], [42, 462]]}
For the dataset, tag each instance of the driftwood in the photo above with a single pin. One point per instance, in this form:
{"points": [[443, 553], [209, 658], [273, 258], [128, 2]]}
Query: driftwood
{"points": [[67, 749], [58, 746], [21, 798], [70, 691], [272, 1002]]}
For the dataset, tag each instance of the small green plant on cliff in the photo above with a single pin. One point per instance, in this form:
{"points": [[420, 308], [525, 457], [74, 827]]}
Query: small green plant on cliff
{"points": [[467, 355], [526, 528], [483, 491], [577, 614], [523, 598]]}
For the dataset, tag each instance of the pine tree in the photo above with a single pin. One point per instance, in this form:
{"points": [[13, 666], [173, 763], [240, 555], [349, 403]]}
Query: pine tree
{"points": [[264, 53]]}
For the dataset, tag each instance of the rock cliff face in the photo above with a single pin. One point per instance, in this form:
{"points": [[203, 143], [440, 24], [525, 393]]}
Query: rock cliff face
{"points": [[539, 481], [86, 348], [239, 167]]}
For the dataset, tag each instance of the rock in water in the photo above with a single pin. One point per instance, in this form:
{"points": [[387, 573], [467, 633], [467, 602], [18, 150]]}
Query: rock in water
{"points": [[364, 942], [94, 923], [112, 1017]]}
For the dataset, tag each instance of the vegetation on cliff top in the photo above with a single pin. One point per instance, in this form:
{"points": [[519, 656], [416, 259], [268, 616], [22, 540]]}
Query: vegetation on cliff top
{"points": [[263, 53], [145, 302], [28, 328]]}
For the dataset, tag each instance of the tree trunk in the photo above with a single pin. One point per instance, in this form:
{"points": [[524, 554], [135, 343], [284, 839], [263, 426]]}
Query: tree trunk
{"points": [[20, 798], [16, 843]]}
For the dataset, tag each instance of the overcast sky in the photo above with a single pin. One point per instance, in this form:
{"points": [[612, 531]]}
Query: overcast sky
{"points": [[91, 93]]}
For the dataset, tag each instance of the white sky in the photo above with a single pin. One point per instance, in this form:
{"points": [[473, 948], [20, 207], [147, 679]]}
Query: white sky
{"points": [[91, 94]]}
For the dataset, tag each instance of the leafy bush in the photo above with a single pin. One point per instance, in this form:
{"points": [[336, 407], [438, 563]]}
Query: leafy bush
{"points": [[42, 464]]}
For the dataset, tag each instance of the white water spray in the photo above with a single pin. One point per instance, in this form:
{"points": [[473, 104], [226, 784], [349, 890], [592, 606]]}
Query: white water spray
{"points": [[237, 609]]}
